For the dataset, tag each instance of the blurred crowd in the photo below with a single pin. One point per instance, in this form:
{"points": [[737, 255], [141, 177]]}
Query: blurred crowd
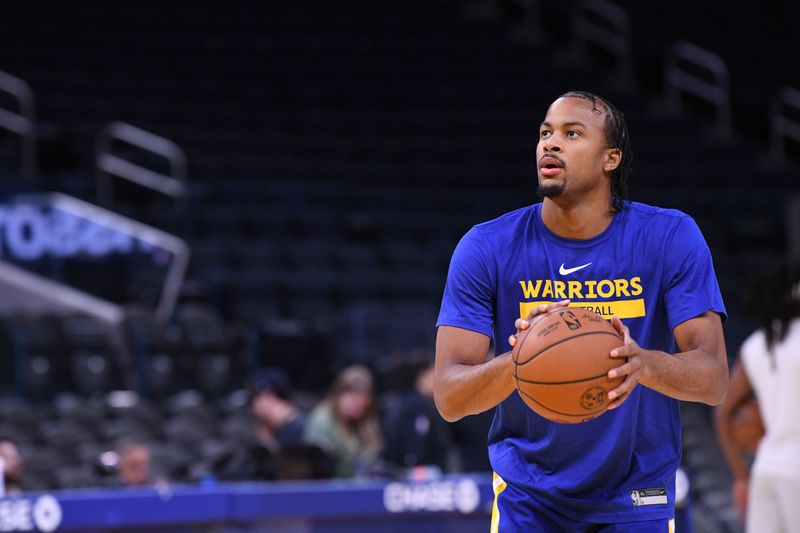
{"points": [[355, 430], [365, 425]]}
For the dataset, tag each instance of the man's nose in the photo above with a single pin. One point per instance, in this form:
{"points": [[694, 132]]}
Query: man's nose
{"points": [[552, 145]]}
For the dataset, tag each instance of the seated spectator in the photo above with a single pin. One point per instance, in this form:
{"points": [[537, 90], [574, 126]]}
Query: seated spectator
{"points": [[13, 466], [345, 425], [133, 464], [275, 449], [415, 433], [278, 422]]}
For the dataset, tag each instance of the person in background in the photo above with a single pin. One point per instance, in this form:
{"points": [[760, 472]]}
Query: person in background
{"points": [[769, 365], [133, 466], [345, 424], [13, 466], [277, 450], [277, 421], [414, 431], [273, 449]]}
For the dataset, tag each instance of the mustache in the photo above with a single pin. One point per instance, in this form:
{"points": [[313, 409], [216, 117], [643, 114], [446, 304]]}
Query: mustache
{"points": [[551, 156]]}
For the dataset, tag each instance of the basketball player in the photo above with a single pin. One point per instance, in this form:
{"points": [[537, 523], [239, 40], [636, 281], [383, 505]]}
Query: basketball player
{"points": [[584, 244], [770, 366]]}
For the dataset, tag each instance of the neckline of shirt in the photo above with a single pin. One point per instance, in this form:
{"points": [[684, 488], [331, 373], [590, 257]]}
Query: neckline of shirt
{"points": [[577, 243]]}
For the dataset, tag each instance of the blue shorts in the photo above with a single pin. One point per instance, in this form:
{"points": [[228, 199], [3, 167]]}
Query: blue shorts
{"points": [[512, 512]]}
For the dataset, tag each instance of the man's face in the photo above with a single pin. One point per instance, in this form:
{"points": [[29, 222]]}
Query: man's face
{"points": [[12, 458], [572, 156], [134, 466], [271, 410], [353, 405]]}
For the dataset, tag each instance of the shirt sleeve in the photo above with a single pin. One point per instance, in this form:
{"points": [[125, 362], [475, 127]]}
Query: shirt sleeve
{"points": [[691, 283], [469, 294]]}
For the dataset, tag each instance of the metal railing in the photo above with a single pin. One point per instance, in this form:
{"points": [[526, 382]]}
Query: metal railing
{"points": [[715, 91], [109, 165], [781, 125], [141, 232], [26, 292], [29, 290], [606, 26], [21, 122]]}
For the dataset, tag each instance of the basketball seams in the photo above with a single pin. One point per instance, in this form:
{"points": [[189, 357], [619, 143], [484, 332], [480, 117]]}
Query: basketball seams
{"points": [[580, 415], [516, 358], [569, 382], [540, 352], [520, 345]]}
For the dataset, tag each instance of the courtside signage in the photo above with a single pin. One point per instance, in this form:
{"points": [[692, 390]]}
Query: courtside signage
{"points": [[22, 514], [461, 496]]}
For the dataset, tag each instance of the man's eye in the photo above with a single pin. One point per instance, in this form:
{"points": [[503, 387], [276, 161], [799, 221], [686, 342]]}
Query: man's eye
{"points": [[544, 134], [572, 133]]}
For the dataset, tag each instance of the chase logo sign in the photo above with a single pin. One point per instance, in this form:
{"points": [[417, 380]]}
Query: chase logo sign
{"points": [[21, 514], [460, 496]]}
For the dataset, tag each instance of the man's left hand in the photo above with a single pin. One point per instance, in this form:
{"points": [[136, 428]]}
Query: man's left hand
{"points": [[631, 369]]}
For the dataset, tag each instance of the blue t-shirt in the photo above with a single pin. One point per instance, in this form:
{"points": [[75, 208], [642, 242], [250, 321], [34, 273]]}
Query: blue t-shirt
{"points": [[653, 269]]}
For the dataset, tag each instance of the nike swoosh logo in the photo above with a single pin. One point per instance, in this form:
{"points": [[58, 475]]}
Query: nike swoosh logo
{"points": [[564, 271]]}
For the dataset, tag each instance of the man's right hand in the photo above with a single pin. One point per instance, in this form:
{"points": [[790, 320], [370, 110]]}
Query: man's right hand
{"points": [[465, 382], [524, 323]]}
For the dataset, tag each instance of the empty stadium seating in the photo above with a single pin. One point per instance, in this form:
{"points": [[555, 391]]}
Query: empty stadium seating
{"points": [[337, 151]]}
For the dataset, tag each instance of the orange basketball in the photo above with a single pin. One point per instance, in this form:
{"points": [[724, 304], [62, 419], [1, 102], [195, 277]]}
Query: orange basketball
{"points": [[561, 365]]}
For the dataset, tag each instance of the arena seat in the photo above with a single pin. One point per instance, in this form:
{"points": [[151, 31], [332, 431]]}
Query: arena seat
{"points": [[214, 374], [76, 476], [94, 373], [40, 467], [169, 460], [19, 421], [63, 436]]}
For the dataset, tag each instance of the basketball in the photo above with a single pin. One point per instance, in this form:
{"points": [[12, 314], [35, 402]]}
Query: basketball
{"points": [[561, 364]]}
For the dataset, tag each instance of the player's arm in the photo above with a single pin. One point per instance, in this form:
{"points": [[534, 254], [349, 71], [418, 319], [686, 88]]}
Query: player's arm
{"points": [[698, 373], [738, 393], [465, 382]]}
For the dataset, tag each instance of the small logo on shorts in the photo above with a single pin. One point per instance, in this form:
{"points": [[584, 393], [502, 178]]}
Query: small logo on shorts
{"points": [[593, 398], [657, 496]]}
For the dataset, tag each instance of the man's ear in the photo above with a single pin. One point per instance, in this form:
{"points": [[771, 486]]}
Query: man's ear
{"points": [[613, 159]]}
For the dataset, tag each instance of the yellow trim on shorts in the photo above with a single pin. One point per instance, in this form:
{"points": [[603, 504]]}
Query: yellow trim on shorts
{"points": [[498, 485]]}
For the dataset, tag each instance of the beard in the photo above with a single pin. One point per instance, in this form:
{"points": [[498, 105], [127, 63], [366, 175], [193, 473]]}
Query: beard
{"points": [[551, 190]]}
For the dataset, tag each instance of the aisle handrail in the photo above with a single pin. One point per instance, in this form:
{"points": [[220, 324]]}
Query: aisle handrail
{"points": [[716, 91], [21, 122], [110, 165], [781, 125], [614, 36]]}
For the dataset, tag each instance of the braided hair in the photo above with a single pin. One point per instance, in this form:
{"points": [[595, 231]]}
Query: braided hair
{"points": [[616, 131], [773, 299]]}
